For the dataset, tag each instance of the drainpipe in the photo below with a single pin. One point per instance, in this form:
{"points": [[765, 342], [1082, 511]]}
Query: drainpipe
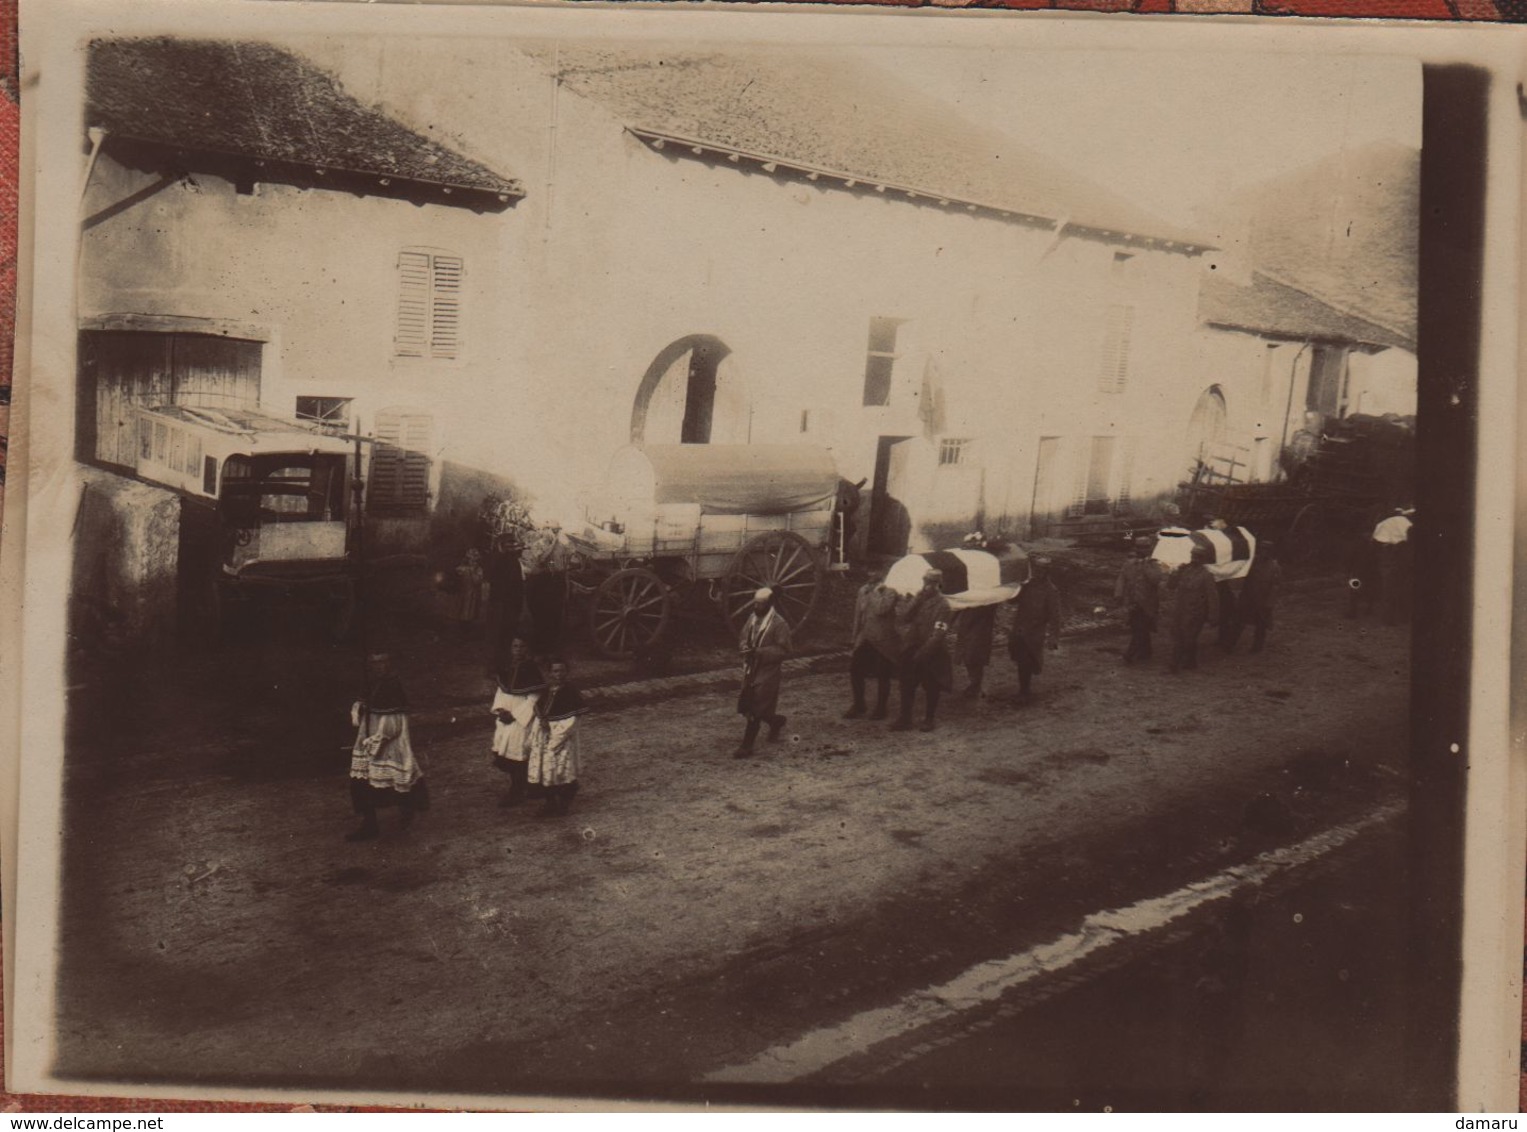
{"points": [[551, 140], [1288, 409], [97, 137]]}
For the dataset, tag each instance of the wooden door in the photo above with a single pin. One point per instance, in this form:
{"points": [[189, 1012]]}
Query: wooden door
{"points": [[1043, 509], [121, 370], [889, 521]]}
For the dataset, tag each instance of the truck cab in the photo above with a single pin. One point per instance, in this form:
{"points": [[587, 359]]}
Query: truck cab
{"points": [[265, 505]]}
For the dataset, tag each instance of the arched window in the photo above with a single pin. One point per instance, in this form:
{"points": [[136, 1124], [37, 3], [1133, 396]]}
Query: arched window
{"points": [[1206, 431]]}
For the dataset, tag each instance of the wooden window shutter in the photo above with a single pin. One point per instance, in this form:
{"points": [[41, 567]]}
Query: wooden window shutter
{"points": [[413, 330], [1114, 372], [400, 462], [429, 306], [417, 436], [1124, 496], [1078, 505], [445, 308], [386, 461]]}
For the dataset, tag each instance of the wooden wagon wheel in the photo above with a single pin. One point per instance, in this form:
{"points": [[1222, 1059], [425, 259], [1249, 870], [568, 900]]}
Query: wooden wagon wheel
{"points": [[783, 561], [629, 611]]}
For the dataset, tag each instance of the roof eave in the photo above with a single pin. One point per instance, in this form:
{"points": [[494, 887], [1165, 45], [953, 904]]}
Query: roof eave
{"points": [[1369, 343], [249, 168], [679, 146]]}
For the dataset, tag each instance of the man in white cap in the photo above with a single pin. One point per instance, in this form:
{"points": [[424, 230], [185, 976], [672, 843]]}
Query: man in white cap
{"points": [[764, 645], [1392, 540]]}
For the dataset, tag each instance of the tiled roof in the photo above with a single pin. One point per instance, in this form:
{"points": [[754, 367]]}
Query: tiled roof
{"points": [[844, 119], [257, 102], [1276, 310], [1345, 230]]}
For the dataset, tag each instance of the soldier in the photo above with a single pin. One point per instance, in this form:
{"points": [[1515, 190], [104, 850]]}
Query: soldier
{"points": [[924, 625], [1139, 589], [1259, 594], [1193, 604], [875, 645], [1036, 624]]}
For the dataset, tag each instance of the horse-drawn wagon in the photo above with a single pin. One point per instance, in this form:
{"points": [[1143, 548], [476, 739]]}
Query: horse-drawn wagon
{"points": [[724, 520], [1352, 473]]}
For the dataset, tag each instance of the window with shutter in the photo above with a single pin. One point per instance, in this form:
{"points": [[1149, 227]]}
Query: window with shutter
{"points": [[1078, 505], [400, 462], [1124, 496], [1114, 372], [429, 306], [1094, 470]]}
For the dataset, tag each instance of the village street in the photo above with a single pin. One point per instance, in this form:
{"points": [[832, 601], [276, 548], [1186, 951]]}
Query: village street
{"points": [[694, 911]]}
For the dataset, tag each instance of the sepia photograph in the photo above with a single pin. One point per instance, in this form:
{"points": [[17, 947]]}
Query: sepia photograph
{"points": [[642, 561]]}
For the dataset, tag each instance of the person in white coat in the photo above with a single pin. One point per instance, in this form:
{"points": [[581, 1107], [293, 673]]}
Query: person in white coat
{"points": [[520, 684], [556, 756]]}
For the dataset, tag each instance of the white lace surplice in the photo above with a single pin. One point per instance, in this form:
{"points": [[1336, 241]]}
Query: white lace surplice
{"points": [[554, 753], [513, 740], [383, 755]]}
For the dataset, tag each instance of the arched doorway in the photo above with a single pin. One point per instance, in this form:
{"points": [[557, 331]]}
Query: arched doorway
{"points": [[690, 394], [1206, 431]]}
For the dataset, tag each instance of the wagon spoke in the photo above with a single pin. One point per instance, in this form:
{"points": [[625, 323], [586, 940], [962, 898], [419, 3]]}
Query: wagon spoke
{"points": [[630, 608], [796, 573]]}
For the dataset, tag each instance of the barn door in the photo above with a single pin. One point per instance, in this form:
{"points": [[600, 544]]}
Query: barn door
{"points": [[120, 370]]}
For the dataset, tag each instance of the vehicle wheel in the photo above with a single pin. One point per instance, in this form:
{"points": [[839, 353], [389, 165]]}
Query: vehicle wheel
{"points": [[782, 561], [629, 612]]}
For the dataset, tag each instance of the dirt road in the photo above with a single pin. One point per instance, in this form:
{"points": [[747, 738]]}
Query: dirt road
{"points": [[693, 909]]}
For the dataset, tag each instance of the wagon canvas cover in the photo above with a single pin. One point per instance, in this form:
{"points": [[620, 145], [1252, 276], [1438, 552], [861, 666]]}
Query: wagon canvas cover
{"points": [[728, 479]]}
